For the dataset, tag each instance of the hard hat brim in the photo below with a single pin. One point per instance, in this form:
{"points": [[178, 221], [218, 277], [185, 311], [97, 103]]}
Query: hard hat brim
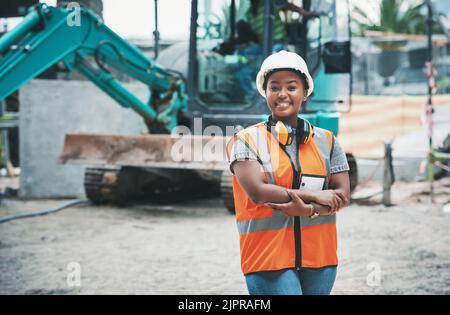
{"points": [[260, 81]]}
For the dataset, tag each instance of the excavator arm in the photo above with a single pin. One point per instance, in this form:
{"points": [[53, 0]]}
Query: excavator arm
{"points": [[49, 35]]}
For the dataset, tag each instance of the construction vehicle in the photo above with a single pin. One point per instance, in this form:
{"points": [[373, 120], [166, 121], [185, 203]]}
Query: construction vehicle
{"points": [[202, 95]]}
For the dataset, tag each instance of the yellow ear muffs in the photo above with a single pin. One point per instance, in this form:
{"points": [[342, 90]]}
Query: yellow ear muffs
{"points": [[307, 133], [284, 136]]}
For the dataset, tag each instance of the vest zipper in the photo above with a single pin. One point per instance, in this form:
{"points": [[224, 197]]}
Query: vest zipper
{"points": [[297, 224]]}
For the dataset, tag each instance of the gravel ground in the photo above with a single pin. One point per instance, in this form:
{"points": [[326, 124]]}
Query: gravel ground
{"points": [[192, 248]]}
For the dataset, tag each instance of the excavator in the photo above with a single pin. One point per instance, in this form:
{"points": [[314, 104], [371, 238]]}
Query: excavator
{"points": [[200, 92]]}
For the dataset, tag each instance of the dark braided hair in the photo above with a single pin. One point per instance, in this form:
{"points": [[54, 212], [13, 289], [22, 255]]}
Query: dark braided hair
{"points": [[300, 74]]}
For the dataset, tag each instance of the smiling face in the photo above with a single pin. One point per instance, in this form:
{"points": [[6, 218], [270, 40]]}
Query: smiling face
{"points": [[285, 93]]}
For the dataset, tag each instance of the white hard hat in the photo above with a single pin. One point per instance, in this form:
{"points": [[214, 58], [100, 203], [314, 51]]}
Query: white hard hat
{"points": [[281, 60]]}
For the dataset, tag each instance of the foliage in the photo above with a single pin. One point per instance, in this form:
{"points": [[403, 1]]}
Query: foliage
{"points": [[397, 16]]}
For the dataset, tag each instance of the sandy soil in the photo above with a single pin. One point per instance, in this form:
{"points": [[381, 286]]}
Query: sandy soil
{"points": [[193, 248]]}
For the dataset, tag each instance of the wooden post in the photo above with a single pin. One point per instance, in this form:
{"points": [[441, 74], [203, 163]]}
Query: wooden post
{"points": [[429, 106], [388, 176]]}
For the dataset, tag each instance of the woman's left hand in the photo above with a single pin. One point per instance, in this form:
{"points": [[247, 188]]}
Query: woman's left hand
{"points": [[295, 207]]}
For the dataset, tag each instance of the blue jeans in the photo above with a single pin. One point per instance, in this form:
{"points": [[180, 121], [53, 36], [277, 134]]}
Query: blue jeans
{"points": [[306, 281]]}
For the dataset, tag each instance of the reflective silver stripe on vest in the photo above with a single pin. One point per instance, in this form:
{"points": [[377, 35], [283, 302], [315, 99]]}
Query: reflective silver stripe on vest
{"points": [[324, 219], [259, 138], [276, 222], [321, 141]]}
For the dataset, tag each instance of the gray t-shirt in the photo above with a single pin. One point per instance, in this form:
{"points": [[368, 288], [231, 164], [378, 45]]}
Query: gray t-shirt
{"points": [[242, 152]]}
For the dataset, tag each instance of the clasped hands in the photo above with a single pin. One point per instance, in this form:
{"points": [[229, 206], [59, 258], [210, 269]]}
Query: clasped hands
{"points": [[333, 200]]}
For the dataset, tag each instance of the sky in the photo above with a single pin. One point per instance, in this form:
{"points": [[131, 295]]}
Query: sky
{"points": [[135, 18]]}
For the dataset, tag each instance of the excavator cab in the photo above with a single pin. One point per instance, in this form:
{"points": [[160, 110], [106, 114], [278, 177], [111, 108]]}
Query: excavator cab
{"points": [[225, 52]]}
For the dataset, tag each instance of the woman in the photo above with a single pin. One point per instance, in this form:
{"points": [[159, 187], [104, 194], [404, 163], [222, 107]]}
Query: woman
{"points": [[291, 179]]}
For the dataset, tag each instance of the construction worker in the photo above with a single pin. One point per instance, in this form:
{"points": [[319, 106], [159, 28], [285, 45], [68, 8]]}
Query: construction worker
{"points": [[290, 179], [251, 32], [255, 18]]}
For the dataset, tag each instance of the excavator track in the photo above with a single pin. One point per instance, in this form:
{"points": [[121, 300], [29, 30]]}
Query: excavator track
{"points": [[101, 185], [126, 185], [226, 190]]}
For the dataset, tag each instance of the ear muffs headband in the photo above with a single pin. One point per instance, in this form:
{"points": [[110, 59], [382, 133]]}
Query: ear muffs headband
{"points": [[306, 133], [285, 135]]}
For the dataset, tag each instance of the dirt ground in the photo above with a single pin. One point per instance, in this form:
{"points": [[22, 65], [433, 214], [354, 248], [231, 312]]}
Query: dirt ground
{"points": [[192, 248]]}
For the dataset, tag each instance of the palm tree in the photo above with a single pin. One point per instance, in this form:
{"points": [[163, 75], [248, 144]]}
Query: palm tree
{"points": [[395, 16]]}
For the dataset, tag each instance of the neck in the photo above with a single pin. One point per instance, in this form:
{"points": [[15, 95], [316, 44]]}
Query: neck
{"points": [[291, 121]]}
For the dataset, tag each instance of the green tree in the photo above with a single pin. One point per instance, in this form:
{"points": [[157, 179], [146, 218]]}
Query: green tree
{"points": [[397, 16]]}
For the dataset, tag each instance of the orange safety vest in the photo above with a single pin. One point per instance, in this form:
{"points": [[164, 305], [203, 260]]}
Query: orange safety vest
{"points": [[268, 239]]}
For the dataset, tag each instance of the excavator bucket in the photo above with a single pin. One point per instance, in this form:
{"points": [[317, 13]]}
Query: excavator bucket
{"points": [[160, 151]]}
